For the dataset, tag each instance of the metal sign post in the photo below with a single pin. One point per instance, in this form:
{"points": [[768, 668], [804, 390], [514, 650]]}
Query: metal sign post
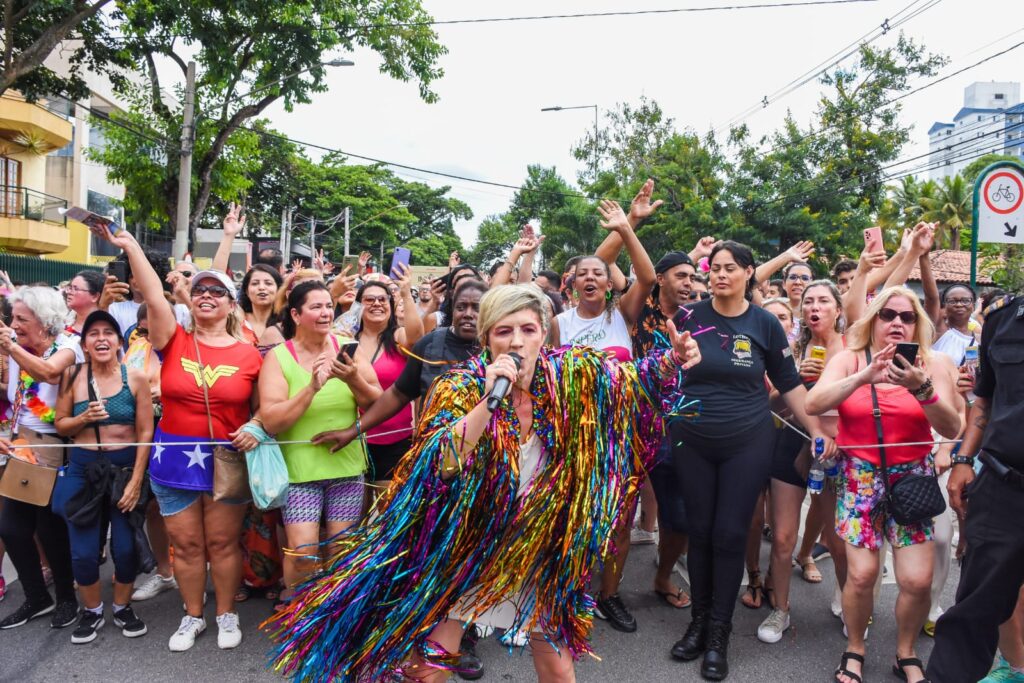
{"points": [[998, 208]]}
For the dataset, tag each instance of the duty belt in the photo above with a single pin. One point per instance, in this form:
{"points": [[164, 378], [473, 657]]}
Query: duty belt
{"points": [[1008, 474]]}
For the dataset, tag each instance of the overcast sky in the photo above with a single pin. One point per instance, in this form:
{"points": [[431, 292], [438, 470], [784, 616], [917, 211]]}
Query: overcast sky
{"points": [[702, 68]]}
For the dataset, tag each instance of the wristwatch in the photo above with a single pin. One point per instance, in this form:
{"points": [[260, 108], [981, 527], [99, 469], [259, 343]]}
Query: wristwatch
{"points": [[959, 459]]}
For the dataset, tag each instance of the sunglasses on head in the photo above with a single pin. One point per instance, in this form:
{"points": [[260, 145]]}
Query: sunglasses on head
{"points": [[887, 315], [215, 291]]}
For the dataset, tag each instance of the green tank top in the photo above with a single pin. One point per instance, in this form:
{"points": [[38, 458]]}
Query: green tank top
{"points": [[333, 407]]}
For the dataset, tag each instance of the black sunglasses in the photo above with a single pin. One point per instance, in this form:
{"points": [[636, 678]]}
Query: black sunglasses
{"points": [[699, 295], [887, 315], [215, 291]]}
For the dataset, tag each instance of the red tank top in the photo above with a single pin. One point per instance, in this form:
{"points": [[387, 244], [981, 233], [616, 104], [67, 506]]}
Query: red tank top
{"points": [[903, 421]]}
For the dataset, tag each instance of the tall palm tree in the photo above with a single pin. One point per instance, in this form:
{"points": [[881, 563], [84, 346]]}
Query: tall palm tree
{"points": [[950, 207]]}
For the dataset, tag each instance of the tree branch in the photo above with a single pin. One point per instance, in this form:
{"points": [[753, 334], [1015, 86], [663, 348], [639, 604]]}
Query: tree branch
{"points": [[32, 57], [159, 107]]}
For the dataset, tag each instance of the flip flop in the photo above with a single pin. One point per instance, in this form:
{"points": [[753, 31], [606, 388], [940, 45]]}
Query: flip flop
{"points": [[679, 596]]}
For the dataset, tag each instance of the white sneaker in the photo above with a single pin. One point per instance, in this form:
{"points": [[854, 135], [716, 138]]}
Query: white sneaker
{"points": [[772, 628], [517, 639], [187, 633], [837, 602], [228, 633], [153, 586], [638, 536]]}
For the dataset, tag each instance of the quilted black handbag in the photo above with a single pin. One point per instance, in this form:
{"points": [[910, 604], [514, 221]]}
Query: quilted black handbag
{"points": [[915, 497]]}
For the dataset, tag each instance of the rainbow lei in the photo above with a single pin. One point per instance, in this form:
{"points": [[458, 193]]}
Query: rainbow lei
{"points": [[31, 400], [392, 579]]}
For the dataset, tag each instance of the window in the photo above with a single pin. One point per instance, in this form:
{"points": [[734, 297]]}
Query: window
{"points": [[10, 179], [979, 118], [999, 96], [97, 138]]}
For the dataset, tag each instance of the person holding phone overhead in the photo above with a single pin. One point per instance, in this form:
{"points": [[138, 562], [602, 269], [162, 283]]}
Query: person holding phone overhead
{"points": [[308, 385], [872, 378], [379, 338]]}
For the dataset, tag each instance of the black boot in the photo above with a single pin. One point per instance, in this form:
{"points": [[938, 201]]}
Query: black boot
{"points": [[715, 666], [470, 666], [694, 640]]}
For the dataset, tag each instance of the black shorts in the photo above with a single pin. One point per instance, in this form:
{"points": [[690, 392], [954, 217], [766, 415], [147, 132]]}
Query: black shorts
{"points": [[384, 457], [788, 445]]}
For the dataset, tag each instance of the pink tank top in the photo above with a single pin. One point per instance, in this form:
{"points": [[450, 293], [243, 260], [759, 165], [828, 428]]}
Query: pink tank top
{"points": [[388, 367]]}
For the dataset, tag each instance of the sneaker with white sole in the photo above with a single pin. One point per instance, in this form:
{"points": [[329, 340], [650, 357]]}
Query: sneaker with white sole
{"points": [[89, 623], [515, 639], [772, 628], [185, 637], [638, 536], [153, 586], [228, 633], [129, 623]]}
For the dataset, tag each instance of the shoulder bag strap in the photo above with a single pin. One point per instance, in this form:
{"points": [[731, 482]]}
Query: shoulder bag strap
{"points": [[93, 396], [877, 413], [202, 381]]}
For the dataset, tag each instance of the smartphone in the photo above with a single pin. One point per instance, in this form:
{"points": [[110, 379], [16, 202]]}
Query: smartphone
{"points": [[908, 350], [119, 269], [401, 255], [348, 349], [873, 239]]}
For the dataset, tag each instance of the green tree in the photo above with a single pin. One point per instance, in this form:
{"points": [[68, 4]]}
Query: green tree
{"points": [[541, 194], [572, 230], [951, 209], [494, 238], [974, 169], [431, 236], [32, 30], [253, 54]]}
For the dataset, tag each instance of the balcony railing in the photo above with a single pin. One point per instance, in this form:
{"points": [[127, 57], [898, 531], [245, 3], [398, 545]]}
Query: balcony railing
{"points": [[22, 202]]}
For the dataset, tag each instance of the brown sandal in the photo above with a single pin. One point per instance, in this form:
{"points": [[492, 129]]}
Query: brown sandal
{"points": [[809, 570], [754, 597]]}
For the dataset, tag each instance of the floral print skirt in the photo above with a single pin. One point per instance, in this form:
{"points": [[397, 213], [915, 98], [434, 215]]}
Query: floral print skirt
{"points": [[860, 518]]}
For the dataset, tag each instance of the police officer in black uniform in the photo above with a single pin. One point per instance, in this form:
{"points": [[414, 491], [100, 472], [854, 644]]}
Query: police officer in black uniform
{"points": [[993, 504]]}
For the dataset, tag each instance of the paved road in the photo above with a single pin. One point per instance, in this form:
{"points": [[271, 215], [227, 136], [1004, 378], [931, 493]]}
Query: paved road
{"points": [[809, 651]]}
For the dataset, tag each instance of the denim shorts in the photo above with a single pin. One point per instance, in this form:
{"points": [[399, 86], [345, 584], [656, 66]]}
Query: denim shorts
{"points": [[172, 500]]}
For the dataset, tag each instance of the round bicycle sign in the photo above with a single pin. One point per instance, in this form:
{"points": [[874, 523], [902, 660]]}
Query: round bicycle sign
{"points": [[1003, 192]]}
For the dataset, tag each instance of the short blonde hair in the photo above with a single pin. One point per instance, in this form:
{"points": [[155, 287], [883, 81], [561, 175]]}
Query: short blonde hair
{"points": [[859, 336], [503, 301]]}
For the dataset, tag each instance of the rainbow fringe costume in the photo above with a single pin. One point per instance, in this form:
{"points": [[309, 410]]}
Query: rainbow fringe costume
{"points": [[392, 579]]}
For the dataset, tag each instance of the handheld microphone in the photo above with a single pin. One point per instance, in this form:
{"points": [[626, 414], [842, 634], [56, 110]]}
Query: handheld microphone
{"points": [[502, 385]]}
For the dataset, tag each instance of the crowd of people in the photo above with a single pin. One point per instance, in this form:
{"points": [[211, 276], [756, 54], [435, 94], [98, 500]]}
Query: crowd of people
{"points": [[479, 451]]}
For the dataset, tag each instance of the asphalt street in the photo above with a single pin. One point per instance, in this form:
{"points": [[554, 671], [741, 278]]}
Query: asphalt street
{"points": [[809, 651]]}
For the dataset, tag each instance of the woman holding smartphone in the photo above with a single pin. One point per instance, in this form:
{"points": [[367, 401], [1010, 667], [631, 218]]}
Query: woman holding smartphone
{"points": [[305, 388]]}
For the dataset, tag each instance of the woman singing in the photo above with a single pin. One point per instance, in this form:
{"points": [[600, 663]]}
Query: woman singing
{"points": [[497, 517]]}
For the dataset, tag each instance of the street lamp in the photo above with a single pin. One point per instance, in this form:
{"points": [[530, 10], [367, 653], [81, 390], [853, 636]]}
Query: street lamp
{"points": [[596, 131], [181, 225]]}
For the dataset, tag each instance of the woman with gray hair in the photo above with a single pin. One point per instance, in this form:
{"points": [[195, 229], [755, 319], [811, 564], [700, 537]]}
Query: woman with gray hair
{"points": [[526, 459], [39, 352]]}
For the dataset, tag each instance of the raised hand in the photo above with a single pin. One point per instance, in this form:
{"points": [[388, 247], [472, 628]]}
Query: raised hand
{"points": [[113, 291], [801, 251], [234, 220], [703, 248], [642, 207], [685, 347], [404, 280], [869, 260], [454, 259], [364, 259], [296, 264], [613, 217], [924, 239]]}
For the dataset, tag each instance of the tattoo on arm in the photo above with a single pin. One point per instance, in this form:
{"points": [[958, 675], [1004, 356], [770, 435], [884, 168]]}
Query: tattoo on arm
{"points": [[982, 415]]}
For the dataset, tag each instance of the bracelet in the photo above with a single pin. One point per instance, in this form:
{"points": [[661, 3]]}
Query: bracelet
{"points": [[923, 390], [929, 401], [359, 428], [963, 460]]}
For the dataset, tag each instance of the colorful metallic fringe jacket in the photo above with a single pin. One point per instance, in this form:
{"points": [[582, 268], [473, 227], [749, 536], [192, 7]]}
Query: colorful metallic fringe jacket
{"points": [[392, 579]]}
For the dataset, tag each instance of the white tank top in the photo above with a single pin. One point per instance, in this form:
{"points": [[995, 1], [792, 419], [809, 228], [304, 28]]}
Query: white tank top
{"points": [[954, 344], [600, 333]]}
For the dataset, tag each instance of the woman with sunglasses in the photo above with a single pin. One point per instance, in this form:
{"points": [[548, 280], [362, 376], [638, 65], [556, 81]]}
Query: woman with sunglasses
{"points": [[913, 398], [379, 338], [207, 384]]}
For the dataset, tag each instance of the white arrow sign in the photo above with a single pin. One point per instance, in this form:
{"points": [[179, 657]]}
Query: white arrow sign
{"points": [[999, 203]]}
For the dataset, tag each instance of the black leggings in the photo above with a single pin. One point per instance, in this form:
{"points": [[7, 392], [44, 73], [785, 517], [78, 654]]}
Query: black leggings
{"points": [[721, 479], [19, 523]]}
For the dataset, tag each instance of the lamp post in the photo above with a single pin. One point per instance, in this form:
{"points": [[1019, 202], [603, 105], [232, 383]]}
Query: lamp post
{"points": [[596, 130], [181, 224]]}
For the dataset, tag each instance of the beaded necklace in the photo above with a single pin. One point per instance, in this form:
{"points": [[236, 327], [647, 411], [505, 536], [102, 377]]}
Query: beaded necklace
{"points": [[28, 395]]}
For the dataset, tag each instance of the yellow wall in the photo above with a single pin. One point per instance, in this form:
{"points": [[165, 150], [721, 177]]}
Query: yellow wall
{"points": [[78, 248]]}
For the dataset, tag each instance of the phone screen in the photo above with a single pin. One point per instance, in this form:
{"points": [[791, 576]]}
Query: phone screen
{"points": [[348, 349], [908, 350]]}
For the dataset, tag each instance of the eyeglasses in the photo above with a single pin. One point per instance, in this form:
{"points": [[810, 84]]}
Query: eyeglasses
{"points": [[794, 277], [966, 301], [887, 315], [85, 290], [699, 295], [368, 300], [216, 291]]}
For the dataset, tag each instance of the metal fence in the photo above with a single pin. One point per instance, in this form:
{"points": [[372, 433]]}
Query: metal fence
{"points": [[22, 202], [29, 269]]}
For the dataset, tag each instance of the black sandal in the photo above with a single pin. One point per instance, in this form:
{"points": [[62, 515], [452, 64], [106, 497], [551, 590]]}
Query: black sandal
{"points": [[843, 671], [756, 590], [901, 664]]}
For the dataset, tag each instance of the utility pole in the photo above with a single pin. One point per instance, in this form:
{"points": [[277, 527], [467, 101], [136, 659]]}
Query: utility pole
{"points": [[312, 241], [346, 234], [182, 232]]}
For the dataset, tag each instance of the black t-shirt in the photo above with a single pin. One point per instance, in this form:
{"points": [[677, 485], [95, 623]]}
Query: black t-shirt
{"points": [[735, 355], [441, 345], [1001, 381]]}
